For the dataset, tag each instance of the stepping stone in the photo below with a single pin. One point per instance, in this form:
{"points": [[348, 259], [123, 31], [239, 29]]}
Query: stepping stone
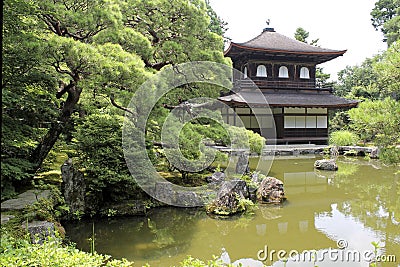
{"points": [[6, 217], [22, 200]]}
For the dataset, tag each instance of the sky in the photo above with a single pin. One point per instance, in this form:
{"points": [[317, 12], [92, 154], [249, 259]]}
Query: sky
{"points": [[339, 25]]}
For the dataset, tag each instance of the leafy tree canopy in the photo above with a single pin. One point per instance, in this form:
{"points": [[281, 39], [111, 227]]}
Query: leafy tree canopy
{"points": [[385, 16], [375, 78], [62, 58], [378, 121]]}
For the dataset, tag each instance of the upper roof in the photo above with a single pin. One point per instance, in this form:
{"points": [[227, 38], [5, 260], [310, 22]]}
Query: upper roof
{"points": [[271, 42]]}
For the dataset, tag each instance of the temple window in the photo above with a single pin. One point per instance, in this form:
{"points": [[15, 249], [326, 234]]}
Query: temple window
{"points": [[283, 72], [245, 72], [261, 71], [304, 73]]}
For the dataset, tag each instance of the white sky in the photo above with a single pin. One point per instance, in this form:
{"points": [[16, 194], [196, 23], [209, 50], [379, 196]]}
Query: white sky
{"points": [[339, 24]]}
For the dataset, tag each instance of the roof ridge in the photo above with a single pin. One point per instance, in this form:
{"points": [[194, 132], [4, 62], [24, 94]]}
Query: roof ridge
{"points": [[272, 40]]}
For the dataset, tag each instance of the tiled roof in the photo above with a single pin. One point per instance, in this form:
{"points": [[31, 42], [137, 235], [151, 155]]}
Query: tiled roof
{"points": [[272, 42], [300, 99]]}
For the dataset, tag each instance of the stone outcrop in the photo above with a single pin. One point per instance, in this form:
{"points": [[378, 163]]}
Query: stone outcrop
{"points": [[228, 198], [326, 164], [170, 194], [373, 152], [74, 187], [271, 190]]}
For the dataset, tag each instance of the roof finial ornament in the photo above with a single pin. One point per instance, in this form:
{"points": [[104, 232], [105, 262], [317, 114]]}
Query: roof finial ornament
{"points": [[268, 28]]}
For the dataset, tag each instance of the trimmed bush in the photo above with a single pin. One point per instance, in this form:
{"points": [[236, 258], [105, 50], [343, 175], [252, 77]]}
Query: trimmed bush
{"points": [[343, 138]]}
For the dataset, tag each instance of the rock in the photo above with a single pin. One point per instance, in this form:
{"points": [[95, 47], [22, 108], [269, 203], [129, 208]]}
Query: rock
{"points": [[22, 200], [164, 192], [254, 177], [216, 178], [238, 187], [334, 151], [74, 188], [6, 217], [271, 191], [40, 230], [227, 201], [255, 181], [188, 199], [242, 165], [170, 194], [374, 154], [326, 164]]}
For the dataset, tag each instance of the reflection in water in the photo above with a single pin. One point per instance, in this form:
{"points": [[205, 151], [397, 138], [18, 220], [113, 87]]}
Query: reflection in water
{"points": [[359, 203]]}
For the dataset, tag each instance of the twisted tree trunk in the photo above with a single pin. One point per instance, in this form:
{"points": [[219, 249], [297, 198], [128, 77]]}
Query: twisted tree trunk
{"points": [[44, 147]]}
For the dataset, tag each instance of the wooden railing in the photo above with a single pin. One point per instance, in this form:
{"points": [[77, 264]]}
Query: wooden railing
{"points": [[268, 84], [306, 132]]}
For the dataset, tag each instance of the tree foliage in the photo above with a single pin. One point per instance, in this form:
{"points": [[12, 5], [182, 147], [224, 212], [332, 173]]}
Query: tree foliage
{"points": [[217, 24], [97, 142], [62, 58], [388, 71], [376, 78], [302, 35], [378, 121], [359, 81], [385, 16], [21, 252]]}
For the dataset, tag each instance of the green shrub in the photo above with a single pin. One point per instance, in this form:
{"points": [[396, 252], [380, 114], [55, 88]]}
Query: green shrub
{"points": [[343, 138], [256, 142], [98, 143], [243, 138], [20, 252], [390, 155]]}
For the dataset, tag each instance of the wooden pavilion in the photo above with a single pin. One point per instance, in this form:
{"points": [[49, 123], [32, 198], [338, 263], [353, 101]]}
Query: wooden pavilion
{"points": [[285, 71]]}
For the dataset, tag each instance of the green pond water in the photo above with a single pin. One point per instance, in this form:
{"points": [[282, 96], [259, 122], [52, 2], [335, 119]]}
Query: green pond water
{"points": [[354, 206]]}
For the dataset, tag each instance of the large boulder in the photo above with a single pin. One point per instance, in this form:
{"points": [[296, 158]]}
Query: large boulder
{"points": [[40, 230], [228, 198], [271, 190], [326, 164], [170, 194], [73, 187]]}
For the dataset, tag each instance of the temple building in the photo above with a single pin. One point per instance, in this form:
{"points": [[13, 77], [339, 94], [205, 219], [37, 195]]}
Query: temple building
{"points": [[284, 70]]}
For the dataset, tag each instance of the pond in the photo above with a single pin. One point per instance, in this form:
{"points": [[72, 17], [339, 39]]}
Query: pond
{"points": [[335, 215]]}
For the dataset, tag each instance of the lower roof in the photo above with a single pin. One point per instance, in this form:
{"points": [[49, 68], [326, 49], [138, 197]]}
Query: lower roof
{"points": [[288, 99]]}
